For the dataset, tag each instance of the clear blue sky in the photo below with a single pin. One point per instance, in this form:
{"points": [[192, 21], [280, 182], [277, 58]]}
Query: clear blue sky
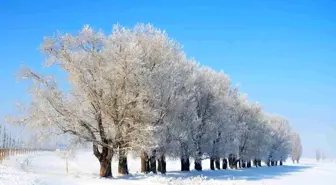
{"points": [[282, 53]]}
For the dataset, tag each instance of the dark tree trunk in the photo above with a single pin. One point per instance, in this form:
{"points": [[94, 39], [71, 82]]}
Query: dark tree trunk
{"points": [[243, 164], [105, 159], [144, 162], [248, 165], [275, 163], [105, 168], [225, 164], [152, 161], [106, 154], [240, 164], [198, 160], [198, 165], [217, 163], [255, 163], [159, 165], [185, 164], [231, 160], [215, 153], [281, 163], [212, 163], [162, 164], [122, 164], [235, 163], [268, 163], [259, 163]]}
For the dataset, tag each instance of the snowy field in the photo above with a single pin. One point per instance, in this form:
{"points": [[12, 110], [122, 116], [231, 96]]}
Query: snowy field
{"points": [[48, 168]]}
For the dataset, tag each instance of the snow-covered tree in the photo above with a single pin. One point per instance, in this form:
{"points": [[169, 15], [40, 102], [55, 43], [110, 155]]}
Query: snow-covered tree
{"points": [[204, 100], [323, 157], [103, 103], [296, 148], [318, 155], [5, 139], [280, 143]]}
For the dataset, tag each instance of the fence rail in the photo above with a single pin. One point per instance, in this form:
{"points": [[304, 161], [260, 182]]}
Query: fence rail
{"points": [[6, 153]]}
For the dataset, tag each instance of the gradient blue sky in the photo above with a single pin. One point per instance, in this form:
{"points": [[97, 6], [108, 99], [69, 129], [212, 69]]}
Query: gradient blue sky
{"points": [[282, 53]]}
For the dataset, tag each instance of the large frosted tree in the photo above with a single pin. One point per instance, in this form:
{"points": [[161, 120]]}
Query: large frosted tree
{"points": [[106, 103]]}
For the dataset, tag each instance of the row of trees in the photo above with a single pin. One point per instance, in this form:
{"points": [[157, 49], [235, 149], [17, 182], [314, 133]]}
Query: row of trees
{"points": [[320, 155], [135, 90], [10, 145], [7, 141]]}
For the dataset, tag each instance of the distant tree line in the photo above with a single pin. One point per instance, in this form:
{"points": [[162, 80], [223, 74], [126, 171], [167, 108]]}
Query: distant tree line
{"points": [[320, 155], [10, 145]]}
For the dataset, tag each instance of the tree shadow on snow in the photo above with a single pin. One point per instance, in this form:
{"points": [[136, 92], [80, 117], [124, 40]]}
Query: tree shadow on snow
{"points": [[250, 174]]}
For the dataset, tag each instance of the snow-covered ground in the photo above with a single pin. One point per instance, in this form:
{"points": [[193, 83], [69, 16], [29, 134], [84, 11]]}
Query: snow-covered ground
{"points": [[48, 168]]}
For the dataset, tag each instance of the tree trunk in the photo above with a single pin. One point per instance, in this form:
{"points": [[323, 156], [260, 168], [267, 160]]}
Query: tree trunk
{"points": [[152, 162], [231, 161], [122, 164], [259, 163], [159, 165], [235, 163], [255, 163], [185, 164], [198, 159], [243, 164], [240, 164], [268, 163], [248, 165], [144, 162], [281, 163], [217, 163], [105, 158], [105, 168], [162, 164], [212, 163], [225, 164], [198, 165]]}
